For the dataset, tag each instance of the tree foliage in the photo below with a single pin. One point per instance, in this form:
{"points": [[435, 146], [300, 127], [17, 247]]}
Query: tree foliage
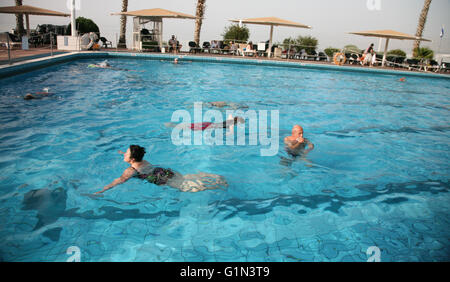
{"points": [[84, 25], [396, 52], [352, 49], [423, 53], [307, 43], [236, 33], [330, 51]]}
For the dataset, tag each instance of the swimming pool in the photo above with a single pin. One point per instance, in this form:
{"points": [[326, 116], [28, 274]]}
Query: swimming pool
{"points": [[378, 176]]}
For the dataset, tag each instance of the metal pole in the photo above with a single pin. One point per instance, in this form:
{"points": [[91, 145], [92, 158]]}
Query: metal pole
{"points": [[385, 52], [9, 50], [270, 41], [289, 52], [27, 17], [51, 43], [73, 19]]}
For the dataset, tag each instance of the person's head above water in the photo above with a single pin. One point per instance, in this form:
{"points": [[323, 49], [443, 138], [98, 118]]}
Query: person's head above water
{"points": [[135, 153], [28, 97], [175, 61], [104, 64], [297, 130]]}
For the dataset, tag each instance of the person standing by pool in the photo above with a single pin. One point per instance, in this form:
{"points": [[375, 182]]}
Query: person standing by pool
{"points": [[142, 169], [296, 144], [369, 56]]}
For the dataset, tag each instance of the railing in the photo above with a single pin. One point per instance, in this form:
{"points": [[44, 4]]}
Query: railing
{"points": [[31, 40]]}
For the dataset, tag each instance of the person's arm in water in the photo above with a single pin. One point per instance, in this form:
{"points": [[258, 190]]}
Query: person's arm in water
{"points": [[310, 146], [294, 144], [127, 174]]}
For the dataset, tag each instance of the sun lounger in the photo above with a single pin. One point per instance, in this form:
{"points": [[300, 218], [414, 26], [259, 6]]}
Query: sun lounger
{"points": [[261, 49], [215, 47], [277, 53], [13, 40], [413, 64], [193, 47], [105, 42], [206, 46], [445, 67]]}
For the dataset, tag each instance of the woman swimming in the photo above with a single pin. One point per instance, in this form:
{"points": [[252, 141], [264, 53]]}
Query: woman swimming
{"points": [[105, 65], [38, 95], [163, 176]]}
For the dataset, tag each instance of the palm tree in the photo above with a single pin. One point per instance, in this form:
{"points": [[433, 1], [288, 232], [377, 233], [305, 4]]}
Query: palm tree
{"points": [[422, 21], [19, 20], [123, 26], [201, 7]]}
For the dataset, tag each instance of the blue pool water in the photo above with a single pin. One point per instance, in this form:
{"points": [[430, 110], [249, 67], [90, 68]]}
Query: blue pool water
{"points": [[378, 176]]}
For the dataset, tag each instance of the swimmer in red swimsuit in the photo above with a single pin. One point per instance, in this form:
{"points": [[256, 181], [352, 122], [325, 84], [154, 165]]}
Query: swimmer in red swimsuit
{"points": [[37, 95], [231, 122]]}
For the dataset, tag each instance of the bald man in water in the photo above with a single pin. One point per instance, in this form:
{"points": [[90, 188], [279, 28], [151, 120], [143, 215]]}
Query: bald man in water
{"points": [[296, 144]]}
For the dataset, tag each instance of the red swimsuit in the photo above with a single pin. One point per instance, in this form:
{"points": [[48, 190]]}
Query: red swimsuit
{"points": [[200, 126]]}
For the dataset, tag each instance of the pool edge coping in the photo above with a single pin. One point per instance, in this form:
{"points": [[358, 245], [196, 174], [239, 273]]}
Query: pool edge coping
{"points": [[38, 63]]}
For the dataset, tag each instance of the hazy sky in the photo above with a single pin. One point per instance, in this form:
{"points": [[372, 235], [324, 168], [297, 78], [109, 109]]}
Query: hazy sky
{"points": [[331, 20]]}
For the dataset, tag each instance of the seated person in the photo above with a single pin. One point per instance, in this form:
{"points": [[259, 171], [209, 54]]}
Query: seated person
{"points": [[249, 49], [38, 95], [234, 48], [174, 45]]}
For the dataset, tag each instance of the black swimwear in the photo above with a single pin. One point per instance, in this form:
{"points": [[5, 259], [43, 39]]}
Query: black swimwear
{"points": [[158, 176]]}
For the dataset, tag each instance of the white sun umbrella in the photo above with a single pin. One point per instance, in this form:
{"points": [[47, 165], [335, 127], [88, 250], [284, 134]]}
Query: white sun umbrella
{"points": [[30, 10], [388, 34], [157, 14], [272, 21]]}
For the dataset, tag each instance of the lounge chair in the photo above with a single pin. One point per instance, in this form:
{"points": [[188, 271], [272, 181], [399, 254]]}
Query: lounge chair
{"points": [[206, 46], [354, 59], [261, 49], [194, 48], [105, 42], [288, 54], [302, 55], [432, 66], [13, 39], [277, 53], [444, 67], [413, 64], [240, 50]]}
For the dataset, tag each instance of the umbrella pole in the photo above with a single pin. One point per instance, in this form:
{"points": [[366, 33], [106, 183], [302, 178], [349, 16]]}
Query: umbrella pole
{"points": [[270, 41], [73, 19], [161, 36], [27, 16], [385, 52]]}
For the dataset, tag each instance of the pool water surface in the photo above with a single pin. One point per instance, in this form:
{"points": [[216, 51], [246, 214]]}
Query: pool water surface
{"points": [[378, 175]]}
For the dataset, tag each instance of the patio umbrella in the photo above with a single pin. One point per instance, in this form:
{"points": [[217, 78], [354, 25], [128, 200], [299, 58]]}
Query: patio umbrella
{"points": [[30, 10], [388, 34], [272, 21], [156, 14]]}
